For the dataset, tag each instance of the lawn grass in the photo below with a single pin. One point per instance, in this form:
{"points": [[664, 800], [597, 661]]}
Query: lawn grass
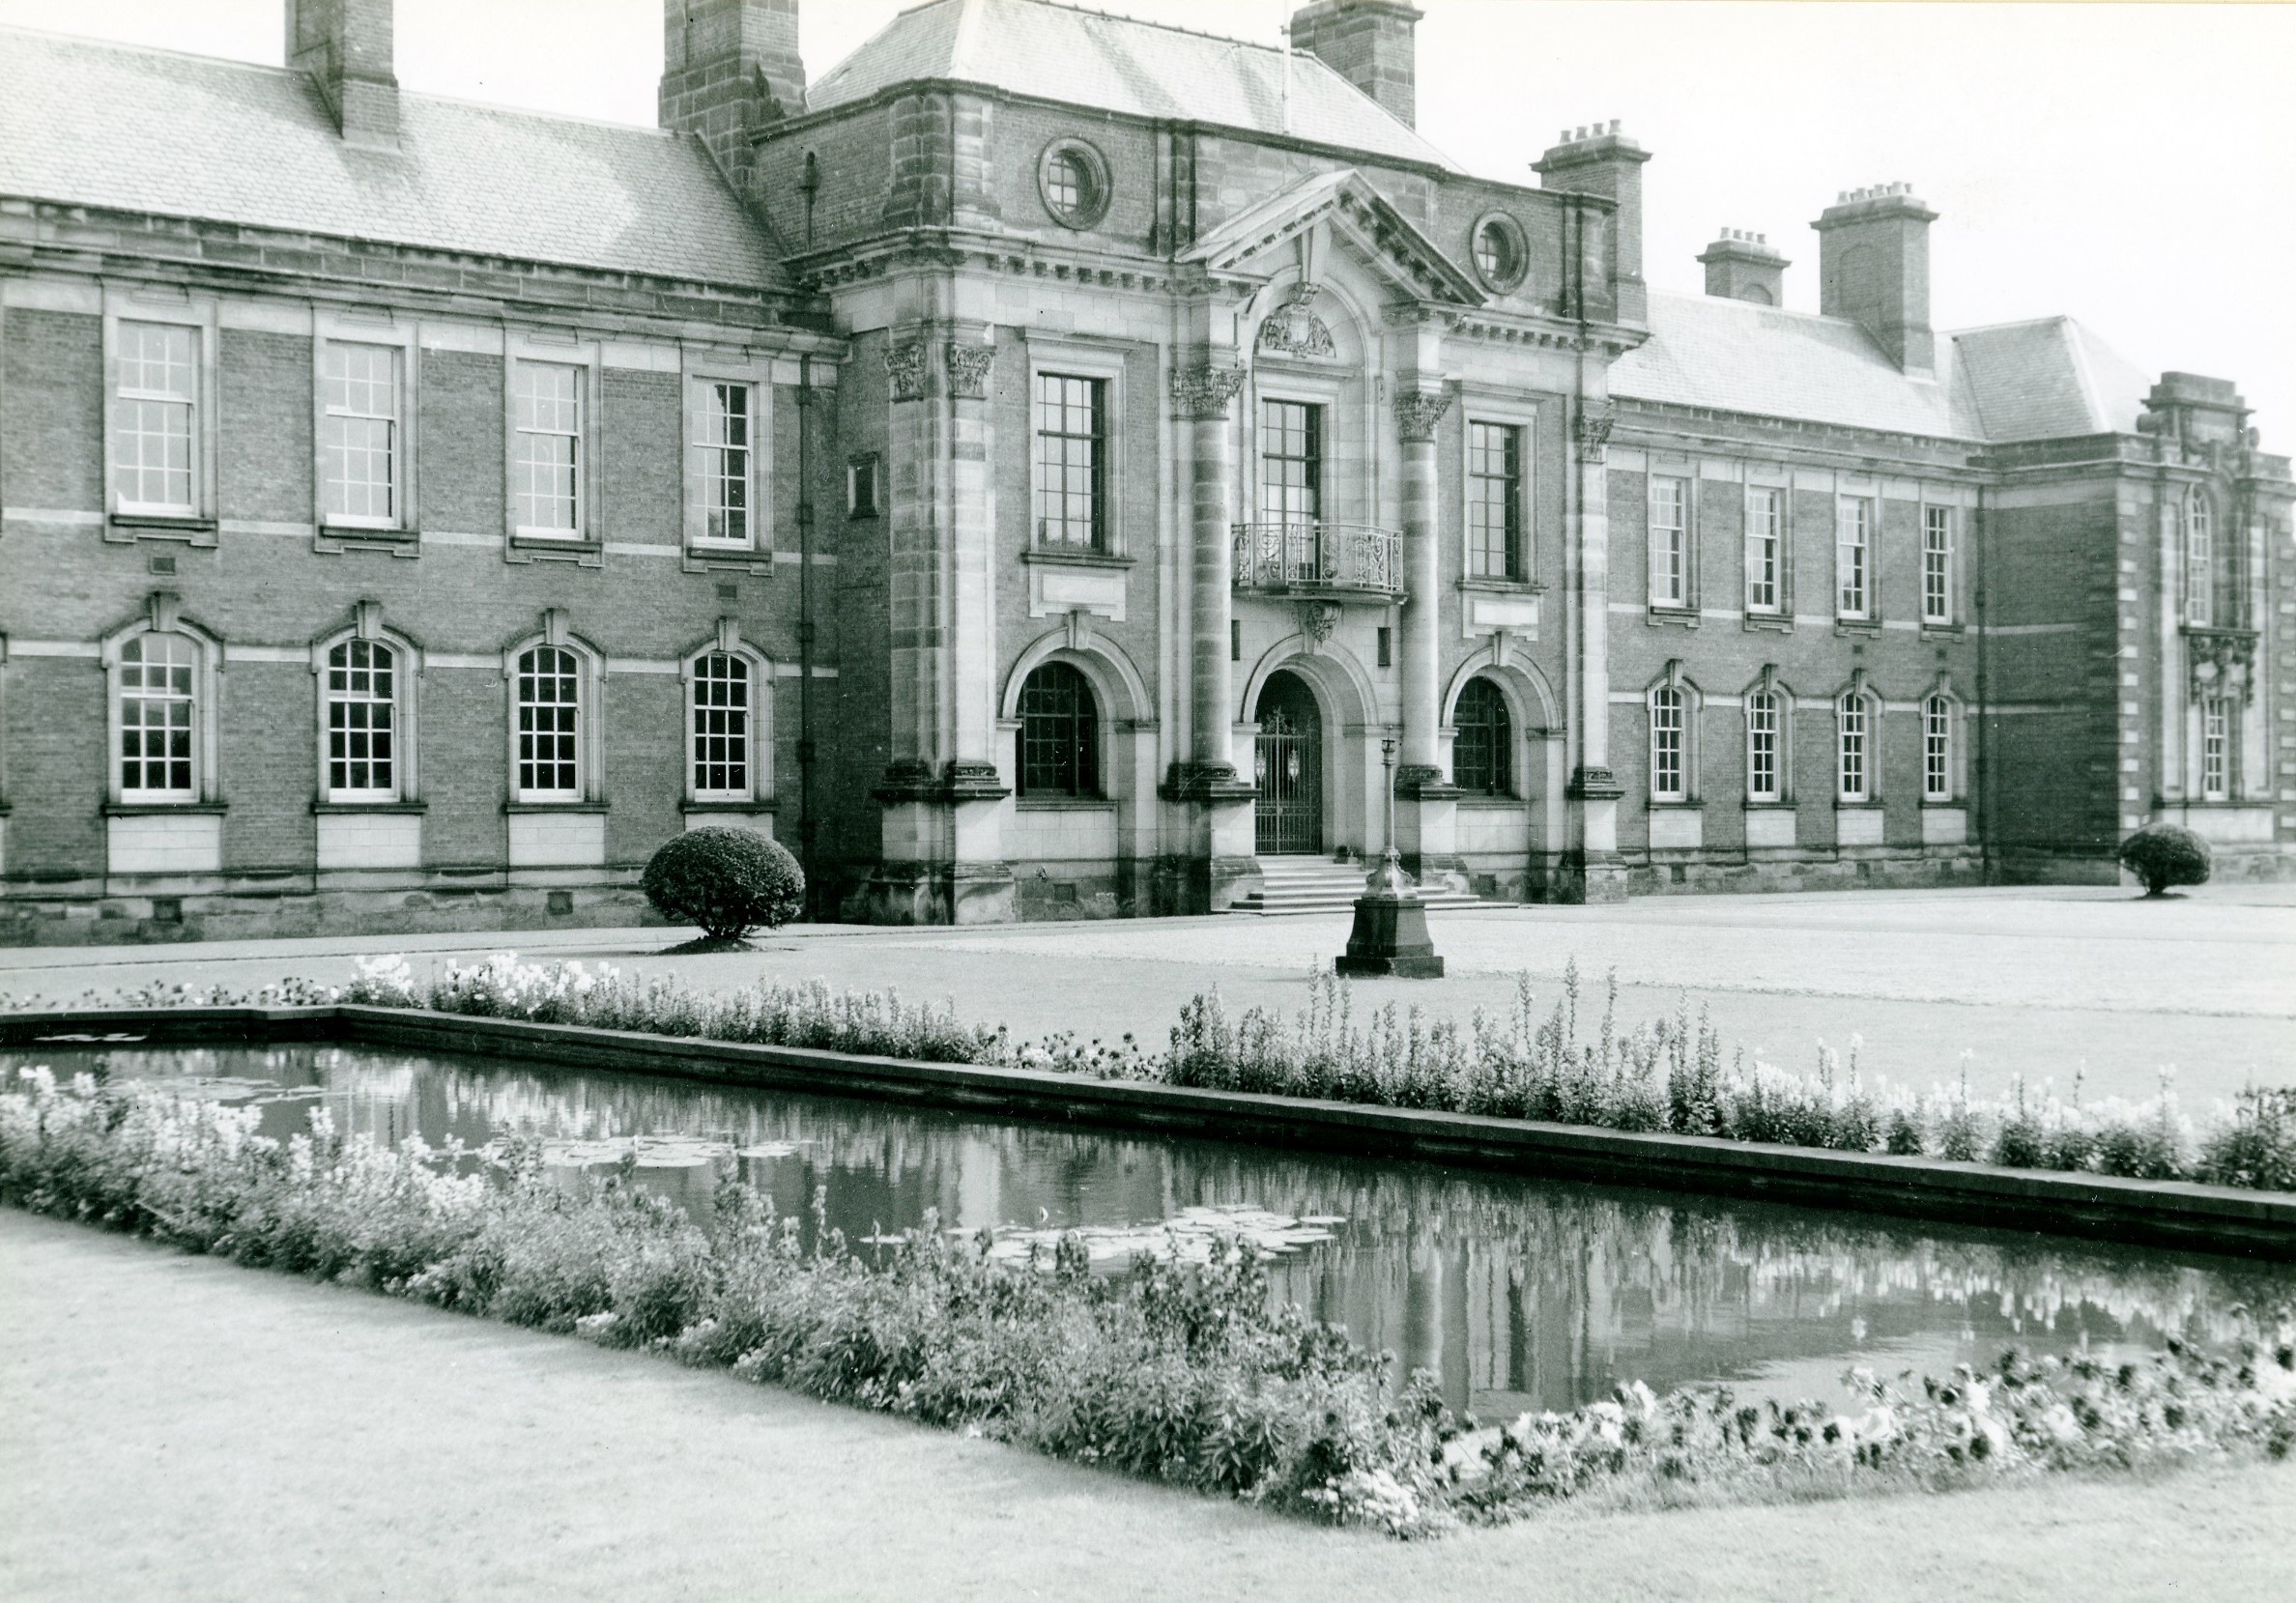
{"points": [[180, 1427]]}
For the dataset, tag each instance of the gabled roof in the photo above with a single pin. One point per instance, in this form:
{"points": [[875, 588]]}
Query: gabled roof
{"points": [[114, 126], [1116, 63], [2050, 379], [1384, 236]]}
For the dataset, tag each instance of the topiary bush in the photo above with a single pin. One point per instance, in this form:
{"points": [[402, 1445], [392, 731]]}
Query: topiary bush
{"points": [[728, 881], [2166, 855]]}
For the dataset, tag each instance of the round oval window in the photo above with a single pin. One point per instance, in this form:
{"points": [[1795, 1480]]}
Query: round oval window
{"points": [[1075, 183], [1496, 257]]}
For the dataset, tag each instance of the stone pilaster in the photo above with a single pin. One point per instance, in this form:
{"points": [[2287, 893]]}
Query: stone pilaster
{"points": [[1221, 849], [1427, 804], [1591, 869], [941, 841]]}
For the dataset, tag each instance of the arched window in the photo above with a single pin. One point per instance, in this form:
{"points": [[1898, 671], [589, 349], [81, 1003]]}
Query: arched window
{"points": [[1766, 746], [548, 722], [361, 692], [158, 684], [1853, 747], [721, 706], [1059, 733], [2199, 543], [1936, 748], [1482, 757], [1669, 745]]}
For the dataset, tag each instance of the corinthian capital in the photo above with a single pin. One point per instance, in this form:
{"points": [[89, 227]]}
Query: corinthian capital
{"points": [[1204, 392], [1593, 430], [1417, 411]]}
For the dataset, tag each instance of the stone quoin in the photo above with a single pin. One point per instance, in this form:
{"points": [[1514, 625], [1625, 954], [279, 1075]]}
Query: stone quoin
{"points": [[1039, 498]]}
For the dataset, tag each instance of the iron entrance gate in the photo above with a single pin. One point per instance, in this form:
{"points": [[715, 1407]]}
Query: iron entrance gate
{"points": [[1289, 769]]}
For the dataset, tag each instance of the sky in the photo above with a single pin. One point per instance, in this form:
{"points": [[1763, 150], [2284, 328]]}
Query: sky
{"points": [[2130, 165]]}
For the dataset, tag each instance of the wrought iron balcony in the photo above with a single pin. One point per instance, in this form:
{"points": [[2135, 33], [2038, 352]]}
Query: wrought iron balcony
{"points": [[1307, 558]]}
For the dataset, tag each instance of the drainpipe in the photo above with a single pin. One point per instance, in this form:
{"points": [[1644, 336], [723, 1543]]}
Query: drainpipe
{"points": [[806, 834], [1986, 811]]}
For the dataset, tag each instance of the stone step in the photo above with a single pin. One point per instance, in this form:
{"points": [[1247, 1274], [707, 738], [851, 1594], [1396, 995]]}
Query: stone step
{"points": [[1320, 885]]}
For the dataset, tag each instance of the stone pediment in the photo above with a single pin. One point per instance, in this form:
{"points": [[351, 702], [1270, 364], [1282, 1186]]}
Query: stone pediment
{"points": [[1364, 222]]}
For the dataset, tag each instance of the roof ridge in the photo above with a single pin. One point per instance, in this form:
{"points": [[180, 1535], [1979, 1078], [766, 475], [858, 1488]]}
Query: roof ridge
{"points": [[1146, 23], [2008, 323], [62, 37], [427, 97], [1751, 306]]}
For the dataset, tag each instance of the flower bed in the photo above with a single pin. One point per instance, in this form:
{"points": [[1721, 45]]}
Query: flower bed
{"points": [[1667, 1075], [1197, 1378]]}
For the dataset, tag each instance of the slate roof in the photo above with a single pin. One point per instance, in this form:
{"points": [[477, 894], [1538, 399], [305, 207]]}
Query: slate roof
{"points": [[1116, 63], [111, 125], [2042, 380], [2047, 380]]}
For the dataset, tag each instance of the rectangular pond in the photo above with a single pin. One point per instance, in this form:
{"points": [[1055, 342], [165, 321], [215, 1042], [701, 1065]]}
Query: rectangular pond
{"points": [[1520, 1292]]}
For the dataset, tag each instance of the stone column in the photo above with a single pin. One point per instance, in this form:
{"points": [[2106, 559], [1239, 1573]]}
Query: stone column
{"points": [[1427, 803], [1592, 870], [1220, 843]]}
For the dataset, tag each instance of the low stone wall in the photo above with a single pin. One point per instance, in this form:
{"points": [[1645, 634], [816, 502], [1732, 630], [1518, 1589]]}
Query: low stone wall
{"points": [[2213, 1219]]}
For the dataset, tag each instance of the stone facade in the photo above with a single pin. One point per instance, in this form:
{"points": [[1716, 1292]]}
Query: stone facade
{"points": [[1127, 491]]}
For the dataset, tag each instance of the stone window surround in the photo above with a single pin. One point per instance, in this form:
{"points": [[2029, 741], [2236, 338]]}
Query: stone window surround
{"points": [[563, 349], [759, 792], [366, 623], [378, 326], [1094, 206], [697, 370], [1788, 706], [163, 617], [1848, 489], [1510, 409], [1517, 244], [1950, 622], [198, 312], [1765, 478], [1957, 755], [589, 720], [1660, 465], [1862, 690], [1692, 792], [1083, 357], [1349, 491]]}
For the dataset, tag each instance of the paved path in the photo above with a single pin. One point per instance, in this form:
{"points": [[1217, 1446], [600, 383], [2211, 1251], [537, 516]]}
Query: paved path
{"points": [[2039, 982], [181, 1429]]}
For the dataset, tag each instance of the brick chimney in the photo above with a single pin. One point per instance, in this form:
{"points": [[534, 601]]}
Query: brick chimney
{"points": [[727, 67], [1742, 267], [344, 47], [1601, 160], [1873, 267], [1369, 43]]}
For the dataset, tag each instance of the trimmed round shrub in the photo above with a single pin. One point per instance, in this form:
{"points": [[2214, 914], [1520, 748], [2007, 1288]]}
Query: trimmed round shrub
{"points": [[2165, 855], [730, 882]]}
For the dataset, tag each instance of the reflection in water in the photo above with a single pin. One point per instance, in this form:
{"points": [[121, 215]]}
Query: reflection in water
{"points": [[1520, 1292]]}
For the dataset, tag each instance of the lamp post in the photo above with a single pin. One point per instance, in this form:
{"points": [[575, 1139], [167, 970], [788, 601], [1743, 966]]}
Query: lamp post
{"points": [[1389, 937]]}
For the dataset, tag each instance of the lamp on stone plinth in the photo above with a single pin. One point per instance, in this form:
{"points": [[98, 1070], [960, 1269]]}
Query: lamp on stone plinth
{"points": [[1390, 924]]}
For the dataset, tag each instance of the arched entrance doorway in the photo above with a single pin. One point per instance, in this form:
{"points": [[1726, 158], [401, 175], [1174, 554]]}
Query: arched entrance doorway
{"points": [[1290, 768]]}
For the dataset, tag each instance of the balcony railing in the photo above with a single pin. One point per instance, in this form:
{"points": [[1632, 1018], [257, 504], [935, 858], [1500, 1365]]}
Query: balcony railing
{"points": [[1323, 557]]}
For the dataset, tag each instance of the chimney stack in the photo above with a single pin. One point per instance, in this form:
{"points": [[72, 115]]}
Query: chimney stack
{"points": [[1873, 267], [1369, 43], [1741, 266], [344, 47], [1601, 160], [729, 67]]}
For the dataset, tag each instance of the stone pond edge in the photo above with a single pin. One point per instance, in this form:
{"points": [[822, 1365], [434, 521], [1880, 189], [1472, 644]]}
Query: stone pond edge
{"points": [[2216, 1218]]}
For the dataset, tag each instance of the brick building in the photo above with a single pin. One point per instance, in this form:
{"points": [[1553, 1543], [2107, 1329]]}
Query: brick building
{"points": [[1037, 470]]}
